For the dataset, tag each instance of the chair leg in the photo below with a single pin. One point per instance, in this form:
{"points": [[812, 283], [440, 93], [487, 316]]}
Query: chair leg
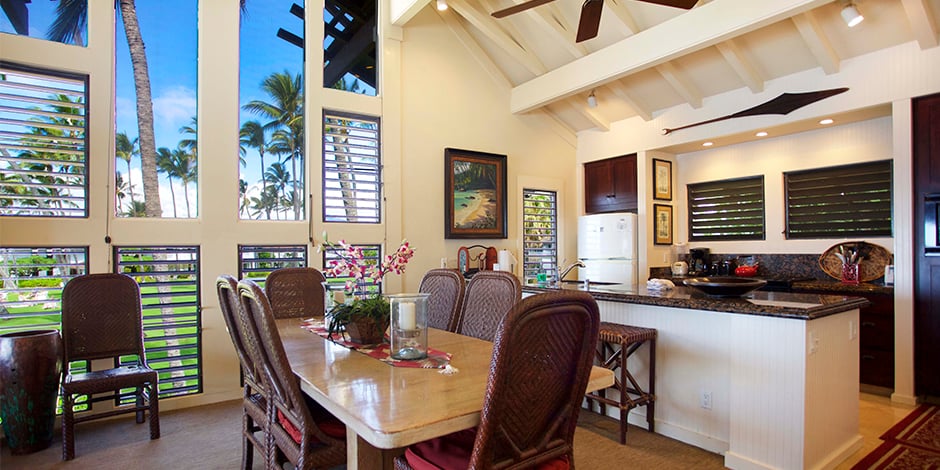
{"points": [[651, 405], [154, 412], [68, 423], [139, 404]]}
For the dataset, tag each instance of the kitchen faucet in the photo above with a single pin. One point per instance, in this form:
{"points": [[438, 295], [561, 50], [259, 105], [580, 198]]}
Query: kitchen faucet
{"points": [[567, 269]]}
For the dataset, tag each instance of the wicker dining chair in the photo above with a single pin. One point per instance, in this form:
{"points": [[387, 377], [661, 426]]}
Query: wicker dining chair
{"points": [[254, 398], [295, 292], [490, 295], [297, 429], [540, 369], [447, 288], [101, 319]]}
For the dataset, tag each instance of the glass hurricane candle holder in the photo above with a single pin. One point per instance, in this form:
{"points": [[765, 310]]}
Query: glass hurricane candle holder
{"points": [[409, 326]]}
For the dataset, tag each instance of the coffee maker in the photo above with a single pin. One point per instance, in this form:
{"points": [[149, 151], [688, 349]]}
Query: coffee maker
{"points": [[698, 261]]}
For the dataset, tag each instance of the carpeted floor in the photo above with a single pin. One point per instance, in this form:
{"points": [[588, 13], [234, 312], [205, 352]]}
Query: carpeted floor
{"points": [[208, 438], [914, 442]]}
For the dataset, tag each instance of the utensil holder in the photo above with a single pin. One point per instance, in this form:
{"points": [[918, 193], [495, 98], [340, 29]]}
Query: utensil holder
{"points": [[409, 331], [850, 273]]}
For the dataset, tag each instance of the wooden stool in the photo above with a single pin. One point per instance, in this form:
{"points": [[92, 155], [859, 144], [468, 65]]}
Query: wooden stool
{"points": [[629, 339]]}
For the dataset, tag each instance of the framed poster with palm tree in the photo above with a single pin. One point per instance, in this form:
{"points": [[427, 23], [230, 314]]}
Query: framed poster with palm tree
{"points": [[474, 194]]}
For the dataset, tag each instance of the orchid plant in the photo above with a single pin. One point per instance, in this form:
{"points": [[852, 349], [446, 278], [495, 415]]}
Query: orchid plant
{"points": [[351, 263]]}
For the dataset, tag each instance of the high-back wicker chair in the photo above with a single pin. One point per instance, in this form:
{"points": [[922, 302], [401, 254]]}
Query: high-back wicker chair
{"points": [[447, 288], [540, 369], [244, 335], [305, 435], [490, 295], [101, 319], [295, 292]]}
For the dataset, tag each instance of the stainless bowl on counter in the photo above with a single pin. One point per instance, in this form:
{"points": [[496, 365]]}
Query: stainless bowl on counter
{"points": [[725, 286]]}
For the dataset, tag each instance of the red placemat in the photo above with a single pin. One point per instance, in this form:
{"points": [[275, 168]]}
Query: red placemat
{"points": [[435, 360]]}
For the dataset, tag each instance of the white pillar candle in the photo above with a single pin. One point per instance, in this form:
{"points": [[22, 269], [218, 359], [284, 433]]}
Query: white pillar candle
{"points": [[406, 316]]}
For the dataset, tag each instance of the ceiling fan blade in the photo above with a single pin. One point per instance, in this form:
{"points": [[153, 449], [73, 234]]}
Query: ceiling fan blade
{"points": [[590, 19], [684, 4], [518, 8]]}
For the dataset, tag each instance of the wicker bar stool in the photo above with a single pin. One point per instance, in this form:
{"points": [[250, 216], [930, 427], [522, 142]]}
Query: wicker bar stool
{"points": [[629, 339]]}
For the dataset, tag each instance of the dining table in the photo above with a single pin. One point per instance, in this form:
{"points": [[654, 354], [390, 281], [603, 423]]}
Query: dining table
{"points": [[387, 408]]}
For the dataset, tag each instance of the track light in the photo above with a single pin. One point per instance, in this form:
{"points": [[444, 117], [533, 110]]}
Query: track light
{"points": [[851, 15], [592, 100], [441, 5]]}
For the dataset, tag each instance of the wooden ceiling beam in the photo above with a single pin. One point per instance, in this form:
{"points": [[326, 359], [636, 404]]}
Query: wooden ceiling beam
{"points": [[689, 92], [557, 124], [476, 51], [591, 114], [551, 17], [741, 65], [491, 30], [624, 94], [624, 15], [923, 22], [818, 43]]}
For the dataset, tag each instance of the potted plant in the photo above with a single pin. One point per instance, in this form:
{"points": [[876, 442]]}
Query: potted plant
{"points": [[365, 317]]}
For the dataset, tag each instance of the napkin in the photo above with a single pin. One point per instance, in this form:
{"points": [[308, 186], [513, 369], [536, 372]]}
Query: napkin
{"points": [[659, 284]]}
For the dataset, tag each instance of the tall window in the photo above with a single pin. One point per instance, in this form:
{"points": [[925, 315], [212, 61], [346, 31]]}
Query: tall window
{"points": [[271, 120], [60, 21], [155, 147], [540, 234], [349, 46], [172, 317], [255, 262], [43, 142], [31, 282], [351, 168], [727, 209], [842, 201]]}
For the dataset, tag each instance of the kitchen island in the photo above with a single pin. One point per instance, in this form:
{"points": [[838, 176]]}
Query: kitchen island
{"points": [[770, 380]]}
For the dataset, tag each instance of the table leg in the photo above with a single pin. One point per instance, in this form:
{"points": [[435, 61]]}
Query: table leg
{"points": [[362, 455]]}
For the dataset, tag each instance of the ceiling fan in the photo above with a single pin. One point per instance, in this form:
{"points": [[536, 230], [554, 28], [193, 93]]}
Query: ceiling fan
{"points": [[590, 13]]}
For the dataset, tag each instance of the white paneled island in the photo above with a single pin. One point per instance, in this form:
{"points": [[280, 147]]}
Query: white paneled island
{"points": [[769, 380]]}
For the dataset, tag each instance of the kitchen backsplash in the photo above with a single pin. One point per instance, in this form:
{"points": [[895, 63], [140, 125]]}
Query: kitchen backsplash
{"points": [[770, 265]]}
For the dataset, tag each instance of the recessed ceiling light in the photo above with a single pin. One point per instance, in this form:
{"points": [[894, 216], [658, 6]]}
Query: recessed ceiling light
{"points": [[761, 134], [708, 144], [826, 121]]}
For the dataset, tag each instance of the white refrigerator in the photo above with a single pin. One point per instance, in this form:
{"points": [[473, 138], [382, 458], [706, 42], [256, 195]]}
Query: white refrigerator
{"points": [[607, 245]]}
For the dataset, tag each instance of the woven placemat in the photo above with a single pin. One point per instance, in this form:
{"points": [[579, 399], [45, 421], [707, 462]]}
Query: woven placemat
{"points": [[871, 267]]}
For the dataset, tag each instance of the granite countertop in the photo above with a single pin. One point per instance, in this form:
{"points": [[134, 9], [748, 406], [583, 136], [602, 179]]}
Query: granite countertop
{"points": [[839, 287], [772, 304]]}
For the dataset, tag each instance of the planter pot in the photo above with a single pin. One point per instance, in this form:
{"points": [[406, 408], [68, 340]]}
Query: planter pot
{"points": [[365, 331], [30, 368]]}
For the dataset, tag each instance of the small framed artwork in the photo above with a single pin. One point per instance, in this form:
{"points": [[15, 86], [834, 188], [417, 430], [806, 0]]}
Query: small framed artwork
{"points": [[662, 180], [474, 194], [662, 229]]}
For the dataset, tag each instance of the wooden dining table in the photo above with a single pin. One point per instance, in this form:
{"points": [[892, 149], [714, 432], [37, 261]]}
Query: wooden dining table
{"points": [[387, 408]]}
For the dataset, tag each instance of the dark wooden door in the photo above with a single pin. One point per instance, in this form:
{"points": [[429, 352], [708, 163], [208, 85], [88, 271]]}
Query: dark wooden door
{"points": [[624, 171], [598, 186], [926, 121]]}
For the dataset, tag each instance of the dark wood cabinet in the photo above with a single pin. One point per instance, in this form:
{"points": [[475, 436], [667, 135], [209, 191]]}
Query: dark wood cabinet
{"points": [[610, 185], [926, 142]]}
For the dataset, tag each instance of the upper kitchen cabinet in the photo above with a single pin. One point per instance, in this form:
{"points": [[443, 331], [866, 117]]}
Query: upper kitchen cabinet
{"points": [[610, 185]]}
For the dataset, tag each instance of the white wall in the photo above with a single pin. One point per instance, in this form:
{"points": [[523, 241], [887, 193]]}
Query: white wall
{"points": [[448, 100]]}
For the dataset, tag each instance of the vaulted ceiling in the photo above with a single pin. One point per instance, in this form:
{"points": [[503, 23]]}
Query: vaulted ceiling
{"points": [[648, 58]]}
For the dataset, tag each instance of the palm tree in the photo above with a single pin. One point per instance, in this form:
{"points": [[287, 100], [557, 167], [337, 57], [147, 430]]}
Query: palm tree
{"points": [[125, 149], [286, 113], [165, 165], [70, 22], [121, 189], [191, 129], [185, 165], [243, 201], [253, 135], [279, 177], [136, 209], [72, 16]]}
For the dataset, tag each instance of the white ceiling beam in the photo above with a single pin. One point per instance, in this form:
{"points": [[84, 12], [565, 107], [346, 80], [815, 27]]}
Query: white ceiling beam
{"points": [[923, 22], [696, 29], [488, 27], [818, 43], [741, 66], [591, 114], [689, 92], [624, 94], [476, 51], [402, 11], [508, 25], [618, 8]]}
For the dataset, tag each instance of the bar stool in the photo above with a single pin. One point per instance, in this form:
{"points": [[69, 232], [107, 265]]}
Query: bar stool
{"points": [[629, 339]]}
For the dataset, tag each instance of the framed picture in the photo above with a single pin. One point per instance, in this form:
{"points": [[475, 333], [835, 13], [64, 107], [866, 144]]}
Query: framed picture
{"points": [[662, 229], [474, 194], [662, 180]]}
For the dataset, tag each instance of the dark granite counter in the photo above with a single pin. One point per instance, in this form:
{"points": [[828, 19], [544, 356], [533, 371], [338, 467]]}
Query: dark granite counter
{"points": [[842, 288], [773, 304]]}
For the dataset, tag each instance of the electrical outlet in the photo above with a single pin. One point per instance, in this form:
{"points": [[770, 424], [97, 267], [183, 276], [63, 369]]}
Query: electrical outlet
{"points": [[706, 400]]}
